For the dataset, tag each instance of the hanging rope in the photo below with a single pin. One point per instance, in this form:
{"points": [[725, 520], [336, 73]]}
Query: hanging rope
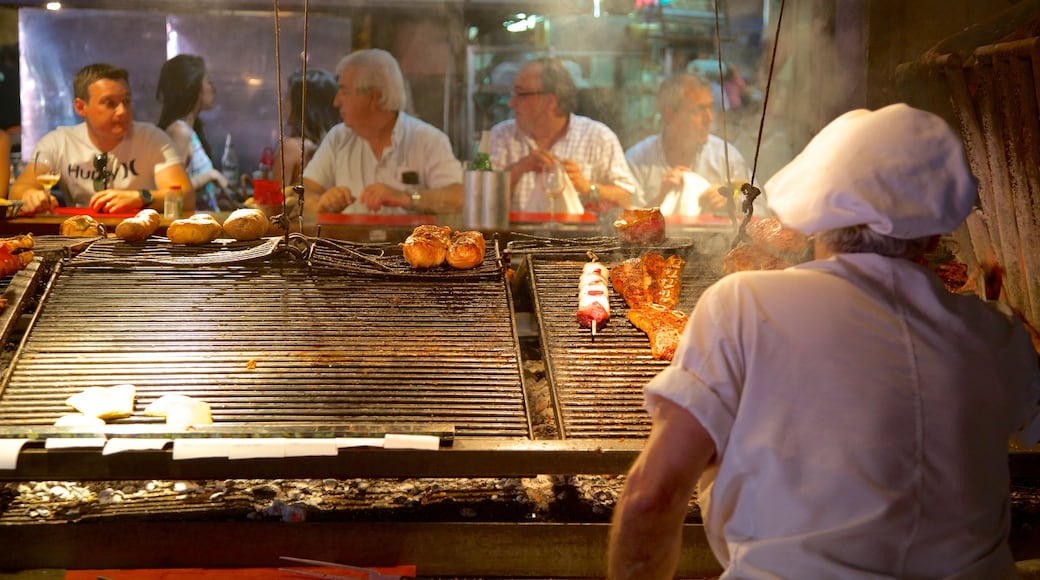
{"points": [[769, 84], [278, 89], [283, 218], [749, 190]]}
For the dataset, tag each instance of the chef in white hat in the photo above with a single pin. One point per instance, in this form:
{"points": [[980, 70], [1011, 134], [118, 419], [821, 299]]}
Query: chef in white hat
{"points": [[847, 417]]}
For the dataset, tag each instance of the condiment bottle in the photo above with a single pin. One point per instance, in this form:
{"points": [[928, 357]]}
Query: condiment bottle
{"points": [[482, 161], [173, 204]]}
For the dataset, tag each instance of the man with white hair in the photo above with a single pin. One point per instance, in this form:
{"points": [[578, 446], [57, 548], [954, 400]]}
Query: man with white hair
{"points": [[847, 417], [681, 168], [361, 165]]}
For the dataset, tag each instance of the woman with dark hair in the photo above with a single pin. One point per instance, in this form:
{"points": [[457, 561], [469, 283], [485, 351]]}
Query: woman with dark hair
{"points": [[308, 124], [185, 90]]}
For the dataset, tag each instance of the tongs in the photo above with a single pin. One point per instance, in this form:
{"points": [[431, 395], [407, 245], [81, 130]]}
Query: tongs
{"points": [[370, 573]]}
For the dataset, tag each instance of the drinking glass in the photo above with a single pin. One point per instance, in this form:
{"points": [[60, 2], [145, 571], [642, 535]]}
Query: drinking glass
{"points": [[552, 184], [46, 171]]}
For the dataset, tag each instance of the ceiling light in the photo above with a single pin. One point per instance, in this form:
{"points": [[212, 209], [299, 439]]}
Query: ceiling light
{"points": [[53, 6]]}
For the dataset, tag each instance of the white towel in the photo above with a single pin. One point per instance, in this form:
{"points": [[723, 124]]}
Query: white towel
{"points": [[685, 201]]}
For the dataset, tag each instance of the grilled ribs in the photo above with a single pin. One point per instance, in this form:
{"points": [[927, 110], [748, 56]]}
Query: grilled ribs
{"points": [[650, 286], [664, 327]]}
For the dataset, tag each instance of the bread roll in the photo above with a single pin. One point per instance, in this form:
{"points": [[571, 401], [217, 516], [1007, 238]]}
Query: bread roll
{"points": [[246, 224], [82, 226], [200, 228], [139, 227], [466, 250], [427, 247], [105, 402]]}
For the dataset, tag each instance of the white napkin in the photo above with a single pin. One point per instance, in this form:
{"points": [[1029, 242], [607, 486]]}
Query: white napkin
{"points": [[685, 201], [571, 199]]}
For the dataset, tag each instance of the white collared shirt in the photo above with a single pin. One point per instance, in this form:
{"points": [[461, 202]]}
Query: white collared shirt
{"points": [[346, 159], [861, 415]]}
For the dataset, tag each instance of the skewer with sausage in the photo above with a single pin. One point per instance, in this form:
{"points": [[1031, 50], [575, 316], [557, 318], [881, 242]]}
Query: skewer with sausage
{"points": [[593, 296]]}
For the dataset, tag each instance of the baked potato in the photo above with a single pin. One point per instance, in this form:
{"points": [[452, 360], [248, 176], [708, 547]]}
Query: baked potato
{"points": [[466, 250], [139, 227], [200, 228], [246, 224], [82, 226]]}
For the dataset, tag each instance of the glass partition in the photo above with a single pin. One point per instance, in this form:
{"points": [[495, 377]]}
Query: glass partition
{"points": [[239, 49]]}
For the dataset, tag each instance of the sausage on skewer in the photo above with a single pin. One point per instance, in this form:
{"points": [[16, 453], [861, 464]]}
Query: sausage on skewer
{"points": [[593, 296]]}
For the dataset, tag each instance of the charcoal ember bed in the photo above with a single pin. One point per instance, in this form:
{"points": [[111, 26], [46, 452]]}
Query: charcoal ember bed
{"points": [[269, 340], [597, 382]]}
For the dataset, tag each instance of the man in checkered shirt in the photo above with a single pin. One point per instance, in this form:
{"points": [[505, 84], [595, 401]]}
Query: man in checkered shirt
{"points": [[546, 132]]}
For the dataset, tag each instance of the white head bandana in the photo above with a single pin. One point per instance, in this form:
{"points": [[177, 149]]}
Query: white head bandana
{"points": [[900, 171]]}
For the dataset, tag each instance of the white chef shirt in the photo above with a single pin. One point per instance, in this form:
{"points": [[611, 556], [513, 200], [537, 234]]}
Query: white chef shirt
{"points": [[590, 144], [861, 416], [144, 151], [346, 159]]}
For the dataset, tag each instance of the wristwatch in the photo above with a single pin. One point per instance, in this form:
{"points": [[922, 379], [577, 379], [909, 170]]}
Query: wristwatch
{"points": [[146, 197], [593, 193]]}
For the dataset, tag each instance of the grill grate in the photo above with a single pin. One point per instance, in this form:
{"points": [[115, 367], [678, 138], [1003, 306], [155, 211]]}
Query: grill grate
{"points": [[274, 342], [115, 253], [598, 384], [387, 261]]}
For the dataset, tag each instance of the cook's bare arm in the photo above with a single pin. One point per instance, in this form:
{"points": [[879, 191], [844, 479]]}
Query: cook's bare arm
{"points": [[446, 199], [646, 532], [34, 199]]}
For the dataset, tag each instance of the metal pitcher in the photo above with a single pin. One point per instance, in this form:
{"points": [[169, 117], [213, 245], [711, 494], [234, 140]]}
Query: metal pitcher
{"points": [[486, 200]]}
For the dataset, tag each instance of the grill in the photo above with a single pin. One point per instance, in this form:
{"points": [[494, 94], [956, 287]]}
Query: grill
{"points": [[597, 383], [992, 96], [273, 343]]}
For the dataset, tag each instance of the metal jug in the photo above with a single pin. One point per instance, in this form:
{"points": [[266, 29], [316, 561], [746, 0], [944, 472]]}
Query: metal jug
{"points": [[486, 200]]}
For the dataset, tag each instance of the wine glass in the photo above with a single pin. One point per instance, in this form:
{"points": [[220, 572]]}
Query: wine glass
{"points": [[46, 171], [552, 178]]}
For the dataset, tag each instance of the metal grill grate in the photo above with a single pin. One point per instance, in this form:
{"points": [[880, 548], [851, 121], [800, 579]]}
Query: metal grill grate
{"points": [[597, 384], [276, 342], [112, 252]]}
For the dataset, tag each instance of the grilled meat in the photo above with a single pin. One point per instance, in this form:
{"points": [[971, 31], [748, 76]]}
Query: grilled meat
{"points": [[650, 279], [772, 247], [593, 296], [640, 226], [15, 253], [662, 325], [650, 286], [769, 233], [630, 281], [749, 257], [427, 247]]}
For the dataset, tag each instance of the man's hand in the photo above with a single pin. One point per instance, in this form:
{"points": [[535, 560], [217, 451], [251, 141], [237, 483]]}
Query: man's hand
{"points": [[673, 180], [116, 201], [573, 171], [335, 200], [35, 201], [376, 195], [712, 202]]}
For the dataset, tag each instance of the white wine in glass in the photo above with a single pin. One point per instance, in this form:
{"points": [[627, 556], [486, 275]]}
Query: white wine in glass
{"points": [[46, 172], [553, 184]]}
